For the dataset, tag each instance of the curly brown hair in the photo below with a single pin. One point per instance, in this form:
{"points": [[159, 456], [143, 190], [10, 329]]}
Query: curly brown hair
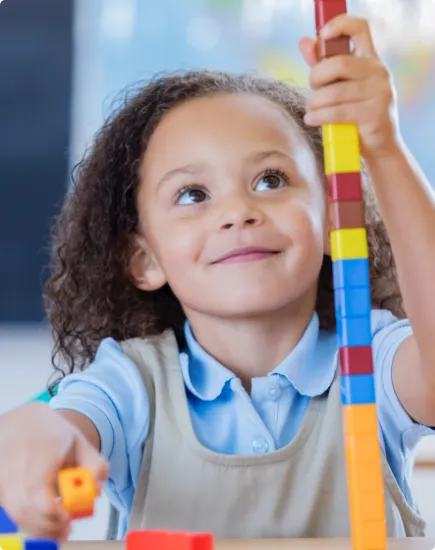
{"points": [[90, 295]]}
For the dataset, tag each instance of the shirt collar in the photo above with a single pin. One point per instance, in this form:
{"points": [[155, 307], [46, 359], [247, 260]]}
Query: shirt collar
{"points": [[203, 375], [309, 367]]}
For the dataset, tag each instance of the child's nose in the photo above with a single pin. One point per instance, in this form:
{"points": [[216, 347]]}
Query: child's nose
{"points": [[239, 213]]}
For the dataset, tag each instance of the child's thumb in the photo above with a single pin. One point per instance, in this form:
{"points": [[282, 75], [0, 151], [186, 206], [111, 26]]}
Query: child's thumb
{"points": [[88, 457], [308, 49]]}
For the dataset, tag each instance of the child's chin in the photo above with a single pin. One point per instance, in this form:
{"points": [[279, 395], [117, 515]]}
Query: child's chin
{"points": [[249, 305]]}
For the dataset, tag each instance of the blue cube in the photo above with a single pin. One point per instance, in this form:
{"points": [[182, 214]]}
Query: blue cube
{"points": [[357, 389], [354, 331], [41, 544], [353, 302], [7, 526], [351, 273]]}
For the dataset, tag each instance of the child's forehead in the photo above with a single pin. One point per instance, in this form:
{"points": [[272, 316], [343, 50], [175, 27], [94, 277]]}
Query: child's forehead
{"points": [[225, 134], [235, 105], [239, 120]]}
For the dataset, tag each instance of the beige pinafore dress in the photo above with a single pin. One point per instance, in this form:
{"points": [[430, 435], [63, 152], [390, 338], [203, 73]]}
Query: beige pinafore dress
{"points": [[299, 490]]}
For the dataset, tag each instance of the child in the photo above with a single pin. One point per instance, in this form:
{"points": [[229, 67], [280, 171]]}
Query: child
{"points": [[192, 274]]}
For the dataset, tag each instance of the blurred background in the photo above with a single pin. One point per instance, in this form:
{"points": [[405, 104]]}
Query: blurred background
{"points": [[64, 63]]}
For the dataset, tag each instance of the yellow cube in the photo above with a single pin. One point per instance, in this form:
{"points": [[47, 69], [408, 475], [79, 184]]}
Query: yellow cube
{"points": [[341, 158], [340, 134], [349, 244], [11, 542]]}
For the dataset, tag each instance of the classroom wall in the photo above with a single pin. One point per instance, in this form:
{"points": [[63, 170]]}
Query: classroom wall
{"points": [[36, 49]]}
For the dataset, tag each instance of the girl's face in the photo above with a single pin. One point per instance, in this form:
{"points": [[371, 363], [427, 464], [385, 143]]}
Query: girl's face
{"points": [[232, 208]]}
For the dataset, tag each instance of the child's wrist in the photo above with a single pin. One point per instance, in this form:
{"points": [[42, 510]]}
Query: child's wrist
{"points": [[390, 149]]}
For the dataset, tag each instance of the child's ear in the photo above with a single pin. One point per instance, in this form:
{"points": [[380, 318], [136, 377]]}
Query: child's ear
{"points": [[145, 270]]}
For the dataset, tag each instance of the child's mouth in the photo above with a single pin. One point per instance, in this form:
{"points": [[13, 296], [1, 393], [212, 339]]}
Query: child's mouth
{"points": [[248, 254]]}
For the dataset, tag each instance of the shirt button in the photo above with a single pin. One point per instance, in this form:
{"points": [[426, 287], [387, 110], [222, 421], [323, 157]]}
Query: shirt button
{"points": [[260, 446], [274, 393]]}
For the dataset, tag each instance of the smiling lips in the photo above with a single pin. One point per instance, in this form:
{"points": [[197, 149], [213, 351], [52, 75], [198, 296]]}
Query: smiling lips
{"points": [[247, 254]]}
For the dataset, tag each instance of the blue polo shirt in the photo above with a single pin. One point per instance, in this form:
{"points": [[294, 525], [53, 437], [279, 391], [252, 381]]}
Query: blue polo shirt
{"points": [[111, 393]]}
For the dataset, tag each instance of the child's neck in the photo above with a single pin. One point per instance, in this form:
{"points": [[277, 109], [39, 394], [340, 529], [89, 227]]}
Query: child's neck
{"points": [[253, 347]]}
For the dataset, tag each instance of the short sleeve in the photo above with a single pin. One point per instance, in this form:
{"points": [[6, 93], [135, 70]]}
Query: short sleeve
{"points": [[400, 433], [111, 393]]}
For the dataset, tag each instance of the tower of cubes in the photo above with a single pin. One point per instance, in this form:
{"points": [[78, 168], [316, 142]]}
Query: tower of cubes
{"points": [[349, 249]]}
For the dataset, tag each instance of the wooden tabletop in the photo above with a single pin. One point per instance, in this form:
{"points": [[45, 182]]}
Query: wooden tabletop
{"points": [[277, 544]]}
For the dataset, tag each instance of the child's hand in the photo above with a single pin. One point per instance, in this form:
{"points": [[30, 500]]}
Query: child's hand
{"points": [[35, 443], [353, 88]]}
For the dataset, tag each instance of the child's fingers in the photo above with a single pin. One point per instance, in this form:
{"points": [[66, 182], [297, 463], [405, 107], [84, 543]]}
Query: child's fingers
{"points": [[341, 67], [41, 515], [307, 47], [38, 526], [54, 520], [87, 457], [341, 92], [339, 114], [356, 28]]}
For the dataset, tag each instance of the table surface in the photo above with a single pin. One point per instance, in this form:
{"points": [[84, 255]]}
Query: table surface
{"points": [[277, 544]]}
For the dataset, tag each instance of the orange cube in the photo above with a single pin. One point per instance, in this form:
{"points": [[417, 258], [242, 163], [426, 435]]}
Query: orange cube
{"points": [[78, 492], [369, 535], [365, 477], [360, 419], [361, 447], [367, 507]]}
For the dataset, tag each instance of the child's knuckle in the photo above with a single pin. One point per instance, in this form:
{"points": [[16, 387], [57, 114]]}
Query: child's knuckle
{"points": [[20, 511], [382, 71], [388, 93], [341, 93], [313, 79], [32, 492], [385, 73], [343, 62], [341, 113], [47, 510], [364, 24]]}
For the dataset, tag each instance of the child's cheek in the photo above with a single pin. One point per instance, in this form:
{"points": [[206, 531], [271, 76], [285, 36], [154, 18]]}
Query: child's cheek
{"points": [[306, 223], [182, 244]]}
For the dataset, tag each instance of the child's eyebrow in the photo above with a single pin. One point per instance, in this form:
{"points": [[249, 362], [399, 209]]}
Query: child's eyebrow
{"points": [[195, 169], [190, 169], [263, 155]]}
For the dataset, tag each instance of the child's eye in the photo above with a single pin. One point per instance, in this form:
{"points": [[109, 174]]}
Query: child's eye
{"points": [[271, 179], [191, 195]]}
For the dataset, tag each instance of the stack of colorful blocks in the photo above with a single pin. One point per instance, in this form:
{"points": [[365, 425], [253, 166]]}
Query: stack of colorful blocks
{"points": [[349, 249]]}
